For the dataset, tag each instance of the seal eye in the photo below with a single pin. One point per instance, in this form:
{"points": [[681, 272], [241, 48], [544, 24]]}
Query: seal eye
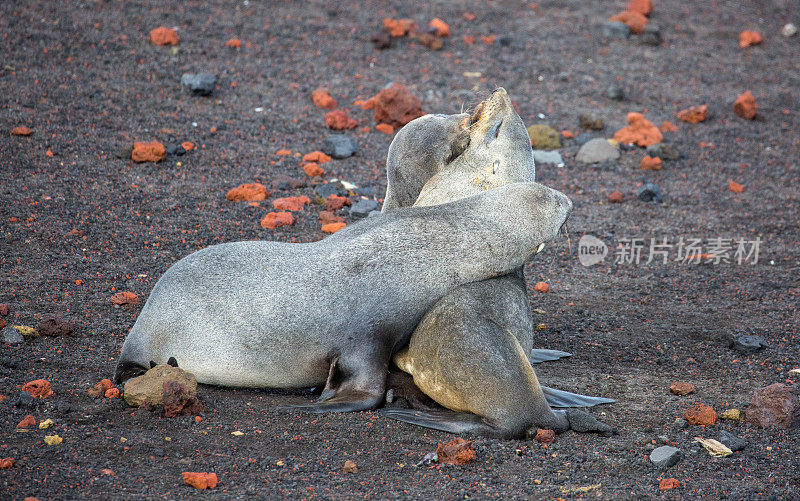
{"points": [[457, 147]]}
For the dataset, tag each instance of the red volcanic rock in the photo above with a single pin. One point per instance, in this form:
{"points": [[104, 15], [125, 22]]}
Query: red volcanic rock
{"points": [[643, 7], [748, 38], [668, 127], [200, 480], [694, 114], [745, 106], [54, 327], [323, 99], [700, 414], [291, 203], [385, 128], [488, 39], [774, 405], [635, 21], [21, 130], [400, 27], [735, 187], [542, 287], [187, 145], [275, 219], [616, 197], [332, 227], [283, 153], [125, 297], [6, 463], [681, 388], [312, 169], [180, 400], [39, 388], [234, 43], [253, 192], [152, 151], [396, 106], [164, 36], [457, 451], [545, 436], [326, 217], [112, 393], [651, 163], [100, 388], [339, 120], [639, 131], [335, 202], [440, 27], [28, 421], [4, 310], [316, 156]]}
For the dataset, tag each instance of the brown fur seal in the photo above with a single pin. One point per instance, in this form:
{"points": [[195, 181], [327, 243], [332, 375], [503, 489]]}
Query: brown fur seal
{"points": [[470, 351], [279, 315]]}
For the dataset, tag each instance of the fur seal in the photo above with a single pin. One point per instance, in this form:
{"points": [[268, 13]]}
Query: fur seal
{"points": [[470, 352], [280, 315]]}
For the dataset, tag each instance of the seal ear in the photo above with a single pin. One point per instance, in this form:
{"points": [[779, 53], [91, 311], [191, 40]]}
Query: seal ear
{"points": [[171, 361], [152, 364]]}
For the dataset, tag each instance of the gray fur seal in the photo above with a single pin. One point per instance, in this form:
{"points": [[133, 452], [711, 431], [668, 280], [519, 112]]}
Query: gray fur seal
{"points": [[271, 314], [470, 352]]}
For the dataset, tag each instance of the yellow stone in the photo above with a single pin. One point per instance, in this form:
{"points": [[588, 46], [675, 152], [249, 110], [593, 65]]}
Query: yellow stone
{"points": [[26, 332], [47, 423], [53, 440]]}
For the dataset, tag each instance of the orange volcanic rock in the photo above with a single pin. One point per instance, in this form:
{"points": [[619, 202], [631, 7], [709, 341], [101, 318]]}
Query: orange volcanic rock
{"points": [[21, 130], [283, 153], [291, 203], [669, 484], [339, 120], [385, 128], [735, 187], [469, 39], [39, 388], [668, 127], [6, 463], [200, 480], [274, 219], [635, 21], [542, 287], [545, 436], [680, 388], [639, 131], [643, 7], [151, 151], [748, 38], [651, 163], [112, 393], [332, 227], [253, 192], [457, 451], [488, 39], [164, 36], [400, 27], [101, 388], [442, 30], [187, 145], [323, 99], [616, 197], [396, 106], [234, 43], [125, 297], [312, 169], [27, 421], [316, 156], [745, 106], [694, 114], [700, 414], [326, 217]]}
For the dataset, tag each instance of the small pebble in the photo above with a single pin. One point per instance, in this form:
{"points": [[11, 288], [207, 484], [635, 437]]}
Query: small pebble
{"points": [[616, 29], [202, 84], [363, 207], [665, 456], [649, 192]]}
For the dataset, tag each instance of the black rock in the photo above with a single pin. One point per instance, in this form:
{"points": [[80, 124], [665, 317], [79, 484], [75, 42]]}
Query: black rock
{"points": [[124, 153], [171, 149], [616, 29], [615, 92], [504, 40], [749, 343], [339, 146], [25, 401], [664, 151], [651, 35], [363, 207], [326, 190], [382, 39], [199, 83], [64, 407], [649, 192], [583, 138], [731, 441]]}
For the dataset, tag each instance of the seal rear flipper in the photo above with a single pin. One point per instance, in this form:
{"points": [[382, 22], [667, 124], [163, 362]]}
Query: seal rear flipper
{"points": [[583, 422], [449, 421], [541, 355], [343, 401], [560, 398], [127, 370]]}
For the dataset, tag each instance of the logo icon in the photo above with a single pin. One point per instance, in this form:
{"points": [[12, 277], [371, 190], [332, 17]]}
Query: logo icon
{"points": [[591, 250]]}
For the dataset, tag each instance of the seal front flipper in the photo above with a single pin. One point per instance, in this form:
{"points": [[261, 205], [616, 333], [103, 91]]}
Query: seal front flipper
{"points": [[541, 355], [560, 398], [449, 421]]}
